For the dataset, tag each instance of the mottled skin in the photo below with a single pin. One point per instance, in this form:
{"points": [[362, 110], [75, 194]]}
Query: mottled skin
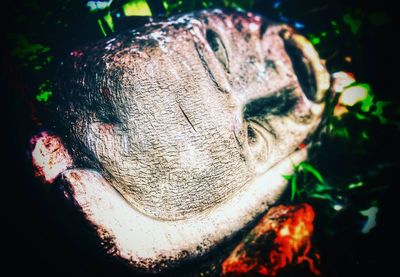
{"points": [[182, 115]]}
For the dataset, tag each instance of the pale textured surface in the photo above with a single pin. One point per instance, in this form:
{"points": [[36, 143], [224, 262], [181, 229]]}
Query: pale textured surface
{"points": [[153, 244], [164, 111], [180, 132], [49, 156]]}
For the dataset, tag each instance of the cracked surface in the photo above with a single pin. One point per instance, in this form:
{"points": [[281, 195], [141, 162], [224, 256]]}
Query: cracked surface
{"points": [[171, 138], [180, 115]]}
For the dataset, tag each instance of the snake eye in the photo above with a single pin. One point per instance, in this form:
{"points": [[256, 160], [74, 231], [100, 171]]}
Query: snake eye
{"points": [[218, 48]]}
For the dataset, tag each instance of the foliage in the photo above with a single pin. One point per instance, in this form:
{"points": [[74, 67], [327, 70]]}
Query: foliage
{"points": [[351, 171], [179, 6], [352, 116]]}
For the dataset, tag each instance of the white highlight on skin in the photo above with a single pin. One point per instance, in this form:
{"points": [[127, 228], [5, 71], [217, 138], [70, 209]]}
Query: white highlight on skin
{"points": [[253, 27], [341, 80], [192, 158], [162, 40], [49, 157], [199, 36], [140, 238]]}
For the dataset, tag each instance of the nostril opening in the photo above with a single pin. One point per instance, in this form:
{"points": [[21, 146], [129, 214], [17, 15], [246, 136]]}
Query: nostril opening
{"points": [[218, 47], [310, 70], [303, 70]]}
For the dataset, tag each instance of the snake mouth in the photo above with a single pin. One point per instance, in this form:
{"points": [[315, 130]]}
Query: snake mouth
{"points": [[152, 245]]}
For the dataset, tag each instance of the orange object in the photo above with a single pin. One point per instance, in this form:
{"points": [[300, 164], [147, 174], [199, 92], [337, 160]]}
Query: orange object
{"points": [[281, 238]]}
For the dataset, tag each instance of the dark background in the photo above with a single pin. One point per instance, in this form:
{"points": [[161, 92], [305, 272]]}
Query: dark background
{"points": [[36, 239]]}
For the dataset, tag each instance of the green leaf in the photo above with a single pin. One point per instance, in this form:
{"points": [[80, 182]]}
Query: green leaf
{"points": [[293, 185], [44, 96], [379, 105], [364, 135], [335, 27], [287, 177], [355, 185], [367, 103], [137, 8], [44, 91], [324, 196], [360, 116], [33, 55], [322, 188], [103, 31], [314, 39], [109, 20], [309, 168], [342, 132], [354, 23]]}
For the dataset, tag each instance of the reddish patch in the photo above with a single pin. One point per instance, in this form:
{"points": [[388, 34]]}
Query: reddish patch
{"points": [[77, 53], [282, 238], [350, 74], [302, 145], [340, 110], [105, 128]]}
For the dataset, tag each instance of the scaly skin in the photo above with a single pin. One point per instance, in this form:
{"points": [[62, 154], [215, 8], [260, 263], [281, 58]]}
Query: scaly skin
{"points": [[176, 135]]}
